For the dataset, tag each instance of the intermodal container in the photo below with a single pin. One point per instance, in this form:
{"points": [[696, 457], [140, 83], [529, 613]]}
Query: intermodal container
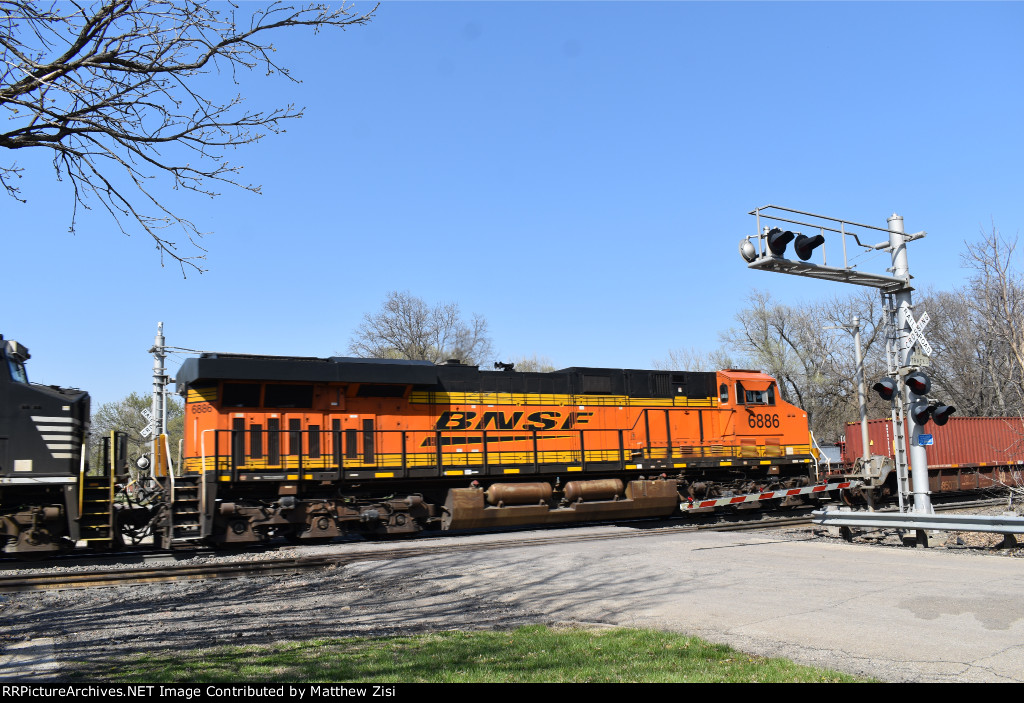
{"points": [[981, 445]]}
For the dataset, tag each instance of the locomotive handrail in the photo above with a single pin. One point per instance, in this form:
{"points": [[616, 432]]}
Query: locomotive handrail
{"points": [[81, 482], [202, 476], [828, 463], [322, 450], [170, 512]]}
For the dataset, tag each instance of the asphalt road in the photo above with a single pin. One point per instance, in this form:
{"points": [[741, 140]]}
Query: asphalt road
{"points": [[896, 614]]}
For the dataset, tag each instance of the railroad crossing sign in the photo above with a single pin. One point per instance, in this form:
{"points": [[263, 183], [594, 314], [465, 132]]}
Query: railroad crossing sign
{"points": [[917, 333], [148, 429]]}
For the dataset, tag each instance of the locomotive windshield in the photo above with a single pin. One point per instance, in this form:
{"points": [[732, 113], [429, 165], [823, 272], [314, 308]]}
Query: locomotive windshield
{"points": [[14, 355], [17, 371], [756, 397]]}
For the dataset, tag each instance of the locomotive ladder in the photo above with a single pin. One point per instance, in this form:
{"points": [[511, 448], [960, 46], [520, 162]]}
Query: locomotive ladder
{"points": [[894, 363], [96, 492], [184, 521]]}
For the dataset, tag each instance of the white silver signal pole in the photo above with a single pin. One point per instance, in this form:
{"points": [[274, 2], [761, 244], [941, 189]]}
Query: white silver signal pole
{"points": [[862, 402], [904, 319], [902, 334], [159, 382], [896, 296], [158, 420], [862, 399]]}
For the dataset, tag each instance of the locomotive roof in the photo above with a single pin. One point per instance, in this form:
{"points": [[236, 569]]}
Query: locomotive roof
{"points": [[340, 369], [305, 368]]}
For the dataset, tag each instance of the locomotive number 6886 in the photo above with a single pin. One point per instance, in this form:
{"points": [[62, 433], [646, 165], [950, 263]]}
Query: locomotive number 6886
{"points": [[763, 420]]}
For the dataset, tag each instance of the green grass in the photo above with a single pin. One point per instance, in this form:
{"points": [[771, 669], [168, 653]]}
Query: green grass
{"points": [[528, 654]]}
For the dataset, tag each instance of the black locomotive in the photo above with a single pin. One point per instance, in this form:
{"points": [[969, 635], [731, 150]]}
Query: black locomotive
{"points": [[49, 497]]}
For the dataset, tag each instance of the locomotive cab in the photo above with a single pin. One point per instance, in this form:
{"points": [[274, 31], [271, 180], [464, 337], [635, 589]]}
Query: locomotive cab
{"points": [[42, 434], [765, 430]]}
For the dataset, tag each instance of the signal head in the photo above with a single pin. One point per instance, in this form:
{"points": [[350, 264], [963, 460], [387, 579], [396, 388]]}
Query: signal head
{"points": [[918, 383], [777, 240], [886, 388], [921, 413], [941, 413], [805, 245]]}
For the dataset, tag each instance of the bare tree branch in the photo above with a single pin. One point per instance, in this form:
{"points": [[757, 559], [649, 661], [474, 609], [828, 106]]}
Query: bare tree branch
{"points": [[810, 357], [979, 331], [112, 88], [407, 328]]}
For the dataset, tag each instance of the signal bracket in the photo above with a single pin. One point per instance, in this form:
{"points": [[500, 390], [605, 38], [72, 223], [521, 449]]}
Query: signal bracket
{"points": [[829, 273]]}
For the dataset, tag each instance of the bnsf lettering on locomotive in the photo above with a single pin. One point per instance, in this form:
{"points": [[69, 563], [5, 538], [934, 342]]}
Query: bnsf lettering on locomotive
{"points": [[496, 420], [542, 421], [499, 421], [453, 420], [763, 420]]}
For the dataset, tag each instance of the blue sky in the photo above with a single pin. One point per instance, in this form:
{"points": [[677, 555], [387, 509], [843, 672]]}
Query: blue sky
{"points": [[579, 173]]}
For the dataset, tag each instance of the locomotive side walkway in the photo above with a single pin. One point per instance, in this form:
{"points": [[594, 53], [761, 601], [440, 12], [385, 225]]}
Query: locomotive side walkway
{"points": [[893, 614]]}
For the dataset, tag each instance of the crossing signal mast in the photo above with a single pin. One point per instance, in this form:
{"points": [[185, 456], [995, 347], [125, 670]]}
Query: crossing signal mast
{"points": [[907, 350]]}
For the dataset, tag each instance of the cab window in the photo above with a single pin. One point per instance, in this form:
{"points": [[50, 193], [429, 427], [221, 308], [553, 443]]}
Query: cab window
{"points": [[15, 363], [749, 397], [723, 393], [757, 398], [17, 371]]}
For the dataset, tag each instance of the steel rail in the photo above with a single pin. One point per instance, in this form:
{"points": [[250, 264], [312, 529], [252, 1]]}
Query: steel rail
{"points": [[292, 566]]}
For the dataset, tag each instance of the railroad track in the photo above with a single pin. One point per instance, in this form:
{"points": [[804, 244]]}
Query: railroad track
{"points": [[292, 566]]}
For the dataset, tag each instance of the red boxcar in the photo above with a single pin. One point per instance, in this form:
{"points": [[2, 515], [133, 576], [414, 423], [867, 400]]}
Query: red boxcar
{"points": [[966, 453]]}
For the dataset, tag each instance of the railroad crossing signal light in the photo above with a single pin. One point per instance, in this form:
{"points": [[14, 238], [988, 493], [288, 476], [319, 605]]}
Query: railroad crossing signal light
{"points": [[941, 413], [922, 413], [805, 245], [886, 388], [778, 239], [918, 383]]}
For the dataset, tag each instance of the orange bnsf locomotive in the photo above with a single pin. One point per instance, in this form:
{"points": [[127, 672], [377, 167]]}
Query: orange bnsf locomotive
{"points": [[310, 448]]}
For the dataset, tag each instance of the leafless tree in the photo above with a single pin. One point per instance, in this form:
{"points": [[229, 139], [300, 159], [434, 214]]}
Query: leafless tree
{"points": [[126, 416], [408, 328], [997, 300], [808, 354], [694, 359], [967, 361], [978, 332], [115, 90]]}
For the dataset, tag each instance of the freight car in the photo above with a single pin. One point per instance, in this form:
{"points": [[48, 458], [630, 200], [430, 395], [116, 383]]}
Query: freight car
{"points": [[313, 448], [966, 454], [49, 499]]}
